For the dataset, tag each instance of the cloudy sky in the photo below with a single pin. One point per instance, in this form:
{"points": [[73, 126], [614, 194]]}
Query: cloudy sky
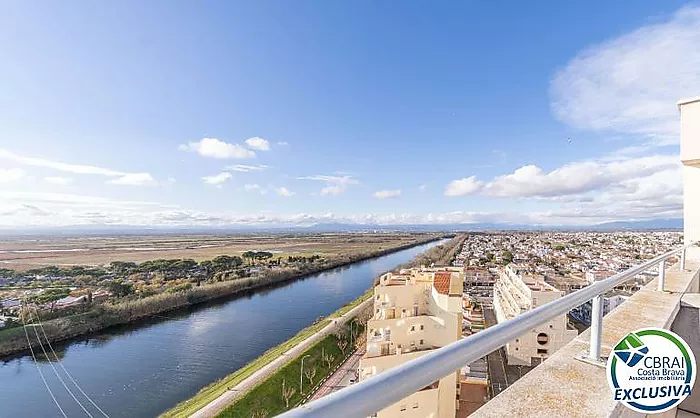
{"points": [[271, 113]]}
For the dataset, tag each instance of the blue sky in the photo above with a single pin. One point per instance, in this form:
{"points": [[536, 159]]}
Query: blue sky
{"points": [[299, 112]]}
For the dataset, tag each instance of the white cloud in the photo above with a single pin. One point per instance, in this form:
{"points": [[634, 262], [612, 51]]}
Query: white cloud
{"points": [[124, 177], [346, 179], [387, 194], [630, 84], [61, 181], [69, 168], [332, 190], [258, 143], [283, 191], [246, 168], [218, 179], [134, 179], [464, 186], [215, 148], [11, 175], [423, 187], [249, 187], [575, 178], [335, 184], [283, 143], [656, 197]]}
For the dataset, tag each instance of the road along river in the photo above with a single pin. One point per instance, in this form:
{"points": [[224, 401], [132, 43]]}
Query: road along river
{"points": [[142, 369]]}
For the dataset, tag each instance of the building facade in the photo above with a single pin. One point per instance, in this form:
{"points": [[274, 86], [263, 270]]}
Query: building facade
{"points": [[415, 312], [516, 293]]}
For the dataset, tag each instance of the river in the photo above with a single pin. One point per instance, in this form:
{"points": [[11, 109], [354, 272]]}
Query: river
{"points": [[143, 369]]}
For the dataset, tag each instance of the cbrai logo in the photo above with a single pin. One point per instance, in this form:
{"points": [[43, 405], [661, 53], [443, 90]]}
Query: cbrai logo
{"points": [[651, 370]]}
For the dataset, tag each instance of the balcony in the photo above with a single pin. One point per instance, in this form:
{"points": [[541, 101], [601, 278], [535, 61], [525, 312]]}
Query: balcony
{"points": [[564, 385], [572, 382]]}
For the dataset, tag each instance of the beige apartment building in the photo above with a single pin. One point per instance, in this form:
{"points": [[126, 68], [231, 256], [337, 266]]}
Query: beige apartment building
{"points": [[415, 311], [515, 293]]}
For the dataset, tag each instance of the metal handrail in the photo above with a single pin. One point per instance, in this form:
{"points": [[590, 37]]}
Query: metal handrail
{"points": [[376, 393]]}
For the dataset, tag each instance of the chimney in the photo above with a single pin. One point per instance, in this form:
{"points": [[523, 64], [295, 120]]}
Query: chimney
{"points": [[690, 157]]}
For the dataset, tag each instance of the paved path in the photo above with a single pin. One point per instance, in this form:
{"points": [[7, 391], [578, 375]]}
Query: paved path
{"points": [[218, 404], [341, 378]]}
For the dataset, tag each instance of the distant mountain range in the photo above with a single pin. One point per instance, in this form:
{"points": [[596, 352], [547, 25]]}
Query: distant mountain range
{"points": [[657, 224]]}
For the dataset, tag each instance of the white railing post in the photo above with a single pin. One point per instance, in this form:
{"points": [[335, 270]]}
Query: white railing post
{"points": [[596, 327], [682, 263], [662, 275]]}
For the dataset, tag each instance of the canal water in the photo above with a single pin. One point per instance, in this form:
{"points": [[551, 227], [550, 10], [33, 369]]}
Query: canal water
{"points": [[143, 369]]}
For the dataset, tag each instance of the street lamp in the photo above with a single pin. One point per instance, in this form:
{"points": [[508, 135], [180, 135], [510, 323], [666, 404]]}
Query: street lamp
{"points": [[301, 374]]}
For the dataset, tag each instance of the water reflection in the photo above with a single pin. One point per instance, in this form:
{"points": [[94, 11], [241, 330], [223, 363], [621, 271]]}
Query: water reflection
{"points": [[142, 369]]}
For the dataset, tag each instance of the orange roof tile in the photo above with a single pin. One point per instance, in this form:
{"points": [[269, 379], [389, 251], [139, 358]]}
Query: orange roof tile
{"points": [[441, 282]]}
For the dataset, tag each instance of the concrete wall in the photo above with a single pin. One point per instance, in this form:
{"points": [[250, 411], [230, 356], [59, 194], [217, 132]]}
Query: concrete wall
{"points": [[690, 156], [687, 325], [423, 404], [690, 129]]}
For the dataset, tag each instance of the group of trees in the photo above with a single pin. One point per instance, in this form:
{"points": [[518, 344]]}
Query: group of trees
{"points": [[252, 256], [49, 295], [54, 271]]}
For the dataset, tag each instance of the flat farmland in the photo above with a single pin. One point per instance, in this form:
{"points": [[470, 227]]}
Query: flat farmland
{"points": [[22, 253]]}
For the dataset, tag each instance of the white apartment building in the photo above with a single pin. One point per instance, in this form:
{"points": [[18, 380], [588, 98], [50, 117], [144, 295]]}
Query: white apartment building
{"points": [[515, 293], [415, 311]]}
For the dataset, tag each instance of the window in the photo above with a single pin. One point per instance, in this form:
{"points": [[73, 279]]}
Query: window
{"points": [[415, 405], [542, 338], [421, 342], [413, 327], [541, 351], [516, 348], [402, 408], [551, 326], [421, 327]]}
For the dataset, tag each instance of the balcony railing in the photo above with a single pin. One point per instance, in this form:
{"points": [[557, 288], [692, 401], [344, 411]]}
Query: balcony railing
{"points": [[385, 389]]}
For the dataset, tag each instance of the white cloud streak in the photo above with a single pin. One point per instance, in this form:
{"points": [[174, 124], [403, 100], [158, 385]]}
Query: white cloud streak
{"points": [[218, 179], [11, 175], [332, 190], [126, 178], [284, 192], [245, 168], [630, 84], [134, 179], [387, 194], [61, 181], [335, 184]]}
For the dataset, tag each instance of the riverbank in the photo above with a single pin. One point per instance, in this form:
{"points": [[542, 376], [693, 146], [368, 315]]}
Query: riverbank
{"points": [[218, 396], [108, 315], [214, 398]]}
